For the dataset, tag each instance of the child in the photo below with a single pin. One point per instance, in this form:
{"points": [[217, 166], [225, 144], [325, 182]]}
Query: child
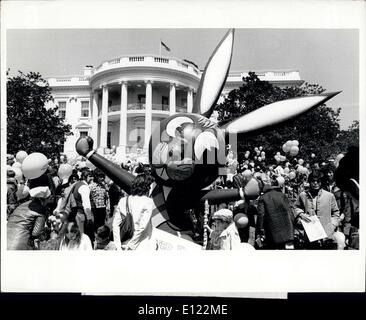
{"points": [[102, 240], [224, 234]]}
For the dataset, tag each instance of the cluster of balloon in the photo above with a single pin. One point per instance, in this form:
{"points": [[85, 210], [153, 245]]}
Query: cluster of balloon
{"points": [[34, 165], [291, 147], [300, 168], [64, 172], [279, 158]]}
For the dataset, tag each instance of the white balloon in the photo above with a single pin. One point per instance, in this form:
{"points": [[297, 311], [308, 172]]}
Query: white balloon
{"points": [[34, 165], [17, 165], [247, 174], [18, 174], [280, 181], [64, 171], [292, 175], [294, 150], [21, 155]]}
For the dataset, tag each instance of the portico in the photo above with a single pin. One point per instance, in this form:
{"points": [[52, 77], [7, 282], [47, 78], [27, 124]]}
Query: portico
{"points": [[124, 104]]}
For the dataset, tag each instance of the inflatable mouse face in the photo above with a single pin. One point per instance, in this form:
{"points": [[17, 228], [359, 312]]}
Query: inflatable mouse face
{"points": [[187, 149]]}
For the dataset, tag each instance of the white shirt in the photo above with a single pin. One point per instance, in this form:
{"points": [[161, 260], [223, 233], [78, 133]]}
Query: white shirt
{"points": [[141, 208], [84, 192]]}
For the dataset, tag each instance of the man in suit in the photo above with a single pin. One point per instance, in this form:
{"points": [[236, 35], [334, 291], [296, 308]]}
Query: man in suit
{"points": [[319, 202]]}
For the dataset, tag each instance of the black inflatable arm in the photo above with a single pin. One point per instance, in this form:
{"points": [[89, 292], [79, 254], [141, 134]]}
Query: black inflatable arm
{"points": [[220, 195], [84, 146]]}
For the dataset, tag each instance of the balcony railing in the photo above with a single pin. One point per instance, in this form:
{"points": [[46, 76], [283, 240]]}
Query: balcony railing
{"points": [[163, 107], [181, 108], [139, 106], [147, 60], [136, 106]]}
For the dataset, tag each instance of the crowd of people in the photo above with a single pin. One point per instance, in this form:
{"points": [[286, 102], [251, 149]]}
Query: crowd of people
{"points": [[75, 206]]}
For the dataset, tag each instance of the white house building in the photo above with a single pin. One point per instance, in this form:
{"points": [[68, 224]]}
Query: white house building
{"points": [[120, 102]]}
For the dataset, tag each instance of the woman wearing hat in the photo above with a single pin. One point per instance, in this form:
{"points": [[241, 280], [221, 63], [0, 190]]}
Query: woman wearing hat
{"points": [[224, 235]]}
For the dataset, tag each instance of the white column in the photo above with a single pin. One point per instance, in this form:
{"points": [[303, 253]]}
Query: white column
{"points": [[148, 114], [121, 150], [95, 118], [104, 124], [172, 99], [189, 100]]}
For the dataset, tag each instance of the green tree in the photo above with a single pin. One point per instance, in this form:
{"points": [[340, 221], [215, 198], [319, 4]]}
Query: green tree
{"points": [[347, 138], [316, 130], [30, 125]]}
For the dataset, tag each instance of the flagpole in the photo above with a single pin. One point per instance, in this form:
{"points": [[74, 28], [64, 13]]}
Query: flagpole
{"points": [[160, 48]]}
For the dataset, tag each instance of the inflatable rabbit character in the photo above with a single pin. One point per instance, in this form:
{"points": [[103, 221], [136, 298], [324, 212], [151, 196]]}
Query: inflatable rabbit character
{"points": [[187, 150]]}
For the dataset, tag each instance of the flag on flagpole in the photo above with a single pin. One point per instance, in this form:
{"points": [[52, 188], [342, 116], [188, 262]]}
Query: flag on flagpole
{"points": [[165, 46]]}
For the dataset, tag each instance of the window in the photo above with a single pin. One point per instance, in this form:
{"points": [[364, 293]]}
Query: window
{"points": [[62, 109], [164, 103], [83, 134], [142, 100], [85, 109]]}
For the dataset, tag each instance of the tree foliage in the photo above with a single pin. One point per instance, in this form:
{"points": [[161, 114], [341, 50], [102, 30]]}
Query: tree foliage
{"points": [[30, 125], [349, 137], [317, 131]]}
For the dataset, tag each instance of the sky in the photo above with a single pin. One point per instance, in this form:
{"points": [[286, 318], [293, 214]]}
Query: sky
{"points": [[329, 57]]}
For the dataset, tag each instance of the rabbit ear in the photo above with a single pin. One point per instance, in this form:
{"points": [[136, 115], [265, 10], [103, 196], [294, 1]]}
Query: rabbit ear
{"points": [[214, 76], [275, 113]]}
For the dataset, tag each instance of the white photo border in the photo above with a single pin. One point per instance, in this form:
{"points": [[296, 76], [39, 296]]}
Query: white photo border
{"points": [[182, 272]]}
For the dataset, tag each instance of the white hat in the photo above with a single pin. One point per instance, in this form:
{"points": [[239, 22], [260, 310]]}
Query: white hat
{"points": [[224, 214]]}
